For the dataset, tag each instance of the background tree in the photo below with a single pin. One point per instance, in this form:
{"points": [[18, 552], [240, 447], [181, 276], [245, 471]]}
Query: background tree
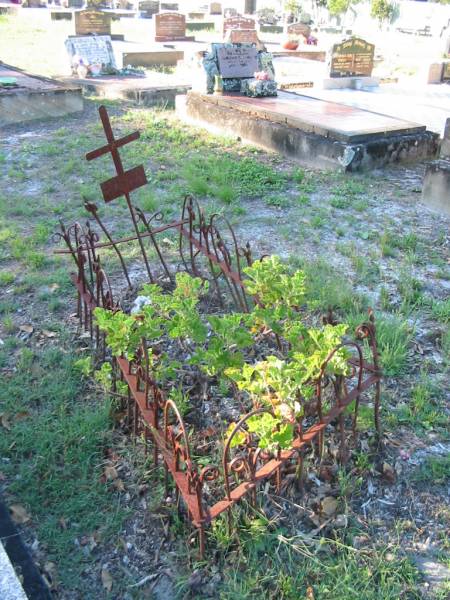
{"points": [[292, 8], [382, 10], [338, 7], [341, 7]]}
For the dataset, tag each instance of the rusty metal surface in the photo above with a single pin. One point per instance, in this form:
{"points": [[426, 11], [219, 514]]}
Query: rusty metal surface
{"points": [[203, 251]]}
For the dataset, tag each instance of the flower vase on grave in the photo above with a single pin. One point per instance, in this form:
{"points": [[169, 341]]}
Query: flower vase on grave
{"points": [[290, 44]]}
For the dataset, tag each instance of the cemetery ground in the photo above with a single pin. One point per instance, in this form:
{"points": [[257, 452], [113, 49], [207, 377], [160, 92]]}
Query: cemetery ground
{"points": [[89, 504]]}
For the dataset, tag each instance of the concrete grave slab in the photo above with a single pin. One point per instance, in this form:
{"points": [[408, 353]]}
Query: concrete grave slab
{"points": [[10, 588], [293, 72], [325, 118], [427, 104], [156, 89], [35, 97], [323, 134]]}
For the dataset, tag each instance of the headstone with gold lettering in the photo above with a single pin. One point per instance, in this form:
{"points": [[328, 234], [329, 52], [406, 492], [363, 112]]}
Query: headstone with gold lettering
{"points": [[92, 21], [352, 58], [446, 71], [171, 27]]}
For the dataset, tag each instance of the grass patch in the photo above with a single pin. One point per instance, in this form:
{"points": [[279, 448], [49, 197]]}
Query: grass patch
{"points": [[230, 178], [53, 454], [327, 289], [423, 410], [340, 202], [434, 469], [394, 336], [441, 310], [268, 563], [6, 278], [410, 290], [445, 345]]}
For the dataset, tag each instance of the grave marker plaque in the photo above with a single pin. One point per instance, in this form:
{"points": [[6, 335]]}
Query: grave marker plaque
{"points": [[92, 50], [148, 8], [352, 58], [299, 29], [237, 62], [170, 27], [238, 23], [215, 8], [92, 21], [230, 12], [242, 36], [446, 72]]}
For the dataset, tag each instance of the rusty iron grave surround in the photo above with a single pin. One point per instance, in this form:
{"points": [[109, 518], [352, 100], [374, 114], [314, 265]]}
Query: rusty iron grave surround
{"points": [[203, 252]]}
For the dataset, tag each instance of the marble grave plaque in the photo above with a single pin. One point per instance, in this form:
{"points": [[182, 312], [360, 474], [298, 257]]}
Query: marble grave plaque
{"points": [[93, 50], [237, 61]]}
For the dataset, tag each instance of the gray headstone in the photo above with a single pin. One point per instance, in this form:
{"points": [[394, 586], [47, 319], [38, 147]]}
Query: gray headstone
{"points": [[92, 50], [237, 61]]}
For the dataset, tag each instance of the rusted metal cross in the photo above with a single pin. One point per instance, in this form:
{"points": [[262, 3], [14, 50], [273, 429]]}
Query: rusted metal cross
{"points": [[125, 181]]}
